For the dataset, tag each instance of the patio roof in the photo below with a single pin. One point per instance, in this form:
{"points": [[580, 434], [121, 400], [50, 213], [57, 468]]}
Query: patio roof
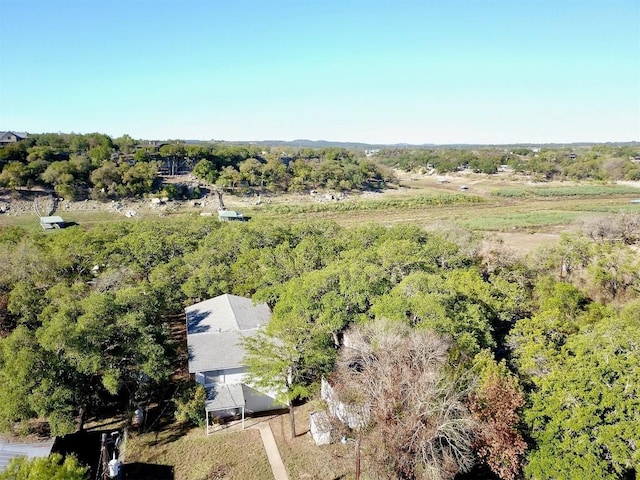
{"points": [[223, 397]]}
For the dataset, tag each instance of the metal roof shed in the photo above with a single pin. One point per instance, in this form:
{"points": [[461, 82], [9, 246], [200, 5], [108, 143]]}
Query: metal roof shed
{"points": [[48, 223], [230, 215]]}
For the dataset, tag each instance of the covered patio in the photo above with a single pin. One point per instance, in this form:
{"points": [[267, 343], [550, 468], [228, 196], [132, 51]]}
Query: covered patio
{"points": [[226, 400]]}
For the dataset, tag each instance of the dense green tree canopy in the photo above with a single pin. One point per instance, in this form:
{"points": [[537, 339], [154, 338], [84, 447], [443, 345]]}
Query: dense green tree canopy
{"points": [[94, 164], [86, 318], [49, 468]]}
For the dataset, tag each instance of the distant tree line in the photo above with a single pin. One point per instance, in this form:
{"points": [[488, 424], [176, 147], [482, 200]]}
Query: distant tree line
{"points": [[97, 166], [599, 162], [296, 170]]}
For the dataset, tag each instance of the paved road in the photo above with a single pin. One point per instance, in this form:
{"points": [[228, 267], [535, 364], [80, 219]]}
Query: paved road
{"points": [[273, 455]]}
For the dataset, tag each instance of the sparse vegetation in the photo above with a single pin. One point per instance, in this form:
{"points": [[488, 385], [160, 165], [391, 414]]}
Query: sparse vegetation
{"points": [[373, 205], [569, 191]]}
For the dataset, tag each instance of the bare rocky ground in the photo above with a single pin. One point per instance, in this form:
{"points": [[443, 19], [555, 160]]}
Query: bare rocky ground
{"points": [[25, 205], [25, 202]]}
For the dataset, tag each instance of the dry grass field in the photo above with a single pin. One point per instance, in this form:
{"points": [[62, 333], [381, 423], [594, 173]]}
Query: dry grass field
{"points": [[521, 222], [306, 461], [191, 455], [235, 454], [520, 213]]}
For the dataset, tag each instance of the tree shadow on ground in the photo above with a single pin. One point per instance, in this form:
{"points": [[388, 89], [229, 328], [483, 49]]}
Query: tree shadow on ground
{"points": [[85, 446], [160, 422], [147, 471]]}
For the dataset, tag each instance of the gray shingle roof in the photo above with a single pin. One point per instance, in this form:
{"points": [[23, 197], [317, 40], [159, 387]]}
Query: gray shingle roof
{"points": [[216, 351], [11, 450], [215, 328], [226, 313]]}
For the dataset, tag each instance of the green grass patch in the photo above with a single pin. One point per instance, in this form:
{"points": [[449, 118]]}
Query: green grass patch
{"points": [[573, 191], [520, 220], [86, 219], [372, 205], [628, 208]]}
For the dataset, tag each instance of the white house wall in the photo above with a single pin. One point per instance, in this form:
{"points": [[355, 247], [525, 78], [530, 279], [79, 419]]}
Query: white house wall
{"points": [[234, 375], [226, 376], [256, 401]]}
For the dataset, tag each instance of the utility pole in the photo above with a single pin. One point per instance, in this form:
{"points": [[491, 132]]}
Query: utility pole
{"points": [[358, 457], [103, 467]]}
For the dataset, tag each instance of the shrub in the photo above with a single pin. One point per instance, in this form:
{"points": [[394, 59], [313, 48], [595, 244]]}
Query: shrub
{"points": [[190, 405]]}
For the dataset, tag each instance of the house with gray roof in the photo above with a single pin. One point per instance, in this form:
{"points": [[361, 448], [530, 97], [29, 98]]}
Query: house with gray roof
{"points": [[215, 329]]}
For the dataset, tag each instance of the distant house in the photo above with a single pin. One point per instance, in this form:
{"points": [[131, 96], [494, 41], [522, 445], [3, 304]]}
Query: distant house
{"points": [[151, 146], [372, 152], [12, 137], [215, 328], [506, 168]]}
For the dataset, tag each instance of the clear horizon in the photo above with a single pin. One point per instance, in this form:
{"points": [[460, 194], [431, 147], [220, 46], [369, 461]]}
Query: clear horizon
{"points": [[378, 72]]}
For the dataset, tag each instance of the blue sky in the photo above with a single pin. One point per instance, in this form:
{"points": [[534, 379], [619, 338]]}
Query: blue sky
{"points": [[474, 71]]}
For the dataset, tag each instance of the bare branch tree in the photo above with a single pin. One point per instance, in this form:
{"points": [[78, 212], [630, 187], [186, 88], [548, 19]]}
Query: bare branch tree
{"points": [[623, 227], [420, 425]]}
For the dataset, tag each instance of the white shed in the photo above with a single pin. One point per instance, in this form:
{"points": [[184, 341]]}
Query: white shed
{"points": [[320, 428]]}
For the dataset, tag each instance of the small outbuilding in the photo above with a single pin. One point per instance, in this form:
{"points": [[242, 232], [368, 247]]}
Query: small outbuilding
{"points": [[320, 428], [12, 137], [231, 216], [48, 223]]}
